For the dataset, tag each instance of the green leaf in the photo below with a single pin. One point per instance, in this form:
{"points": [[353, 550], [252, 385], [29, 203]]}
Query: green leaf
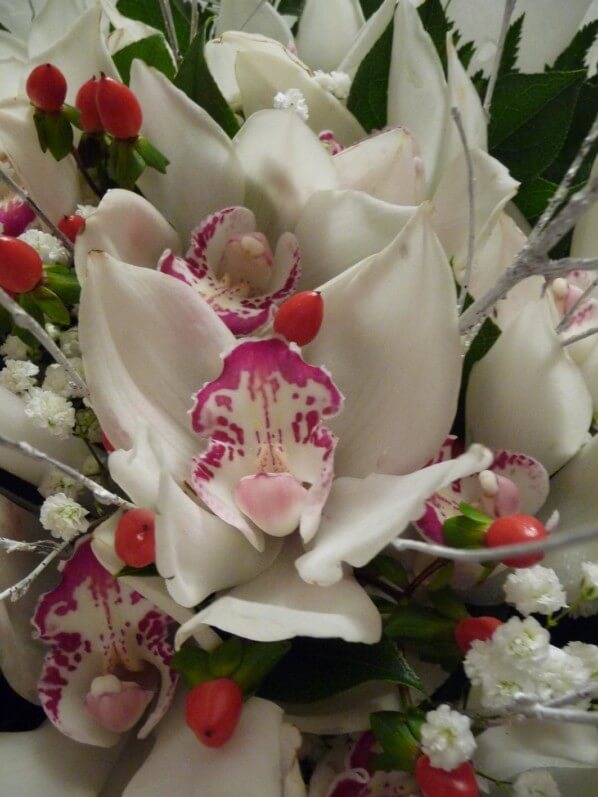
{"points": [[437, 25], [466, 53], [368, 7], [533, 197], [369, 90], [63, 282], [441, 578], [193, 664], [151, 155], [473, 513], [258, 660], [463, 532], [153, 51], [148, 11], [54, 133], [195, 79], [50, 305], [523, 105], [395, 734], [412, 622], [574, 56], [125, 164], [482, 343], [225, 659], [448, 603], [143, 572], [444, 652], [319, 668], [389, 569], [511, 49]]}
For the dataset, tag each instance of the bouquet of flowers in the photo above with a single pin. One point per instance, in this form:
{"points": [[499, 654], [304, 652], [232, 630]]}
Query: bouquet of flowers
{"points": [[299, 383]]}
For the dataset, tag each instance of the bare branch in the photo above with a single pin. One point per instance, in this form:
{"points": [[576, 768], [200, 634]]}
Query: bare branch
{"points": [[194, 20], [253, 13], [21, 587], [504, 28], [562, 267], [166, 10], [582, 336], [525, 705], [471, 206], [40, 546], [566, 319]]}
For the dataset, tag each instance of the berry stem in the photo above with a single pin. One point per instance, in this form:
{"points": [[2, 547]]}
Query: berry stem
{"points": [[428, 571], [85, 174]]}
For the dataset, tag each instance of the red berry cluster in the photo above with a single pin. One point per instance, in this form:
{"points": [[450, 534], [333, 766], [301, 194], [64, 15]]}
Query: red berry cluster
{"points": [[433, 782], [299, 318], [107, 105], [515, 529], [21, 267]]}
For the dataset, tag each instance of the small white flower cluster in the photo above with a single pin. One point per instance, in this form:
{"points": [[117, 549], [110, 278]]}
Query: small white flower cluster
{"points": [[446, 738], [292, 100], [14, 348], [589, 581], [519, 660], [18, 376], [535, 590], [48, 247], [54, 481], [336, 82], [69, 342], [536, 783], [63, 517], [57, 378], [51, 412]]}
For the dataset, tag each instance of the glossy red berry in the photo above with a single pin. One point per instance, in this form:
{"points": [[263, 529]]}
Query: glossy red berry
{"points": [[46, 88], [299, 318], [71, 226], [471, 628], [107, 444], [433, 782], [213, 709], [135, 538], [21, 267], [515, 529], [118, 108], [85, 102]]}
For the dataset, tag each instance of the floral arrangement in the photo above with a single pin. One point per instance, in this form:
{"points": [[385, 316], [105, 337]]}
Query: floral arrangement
{"points": [[299, 386]]}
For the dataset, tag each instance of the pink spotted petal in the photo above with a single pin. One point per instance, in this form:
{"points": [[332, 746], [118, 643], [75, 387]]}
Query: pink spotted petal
{"points": [[119, 711], [95, 625], [211, 236], [349, 784], [273, 501], [15, 216]]}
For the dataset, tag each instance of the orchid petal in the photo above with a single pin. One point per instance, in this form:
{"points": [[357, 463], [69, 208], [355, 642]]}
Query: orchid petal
{"points": [[128, 227], [337, 229], [364, 515], [585, 234], [417, 95], [386, 166], [140, 372], [367, 37], [278, 604], [327, 31], [13, 62], [387, 427], [54, 184], [284, 163], [253, 16], [548, 413], [205, 159]]}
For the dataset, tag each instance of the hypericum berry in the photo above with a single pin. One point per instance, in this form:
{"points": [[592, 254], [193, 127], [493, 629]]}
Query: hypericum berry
{"points": [[213, 709], [471, 628], [514, 529], [86, 104], [459, 782], [107, 444], [118, 108], [21, 267], [135, 538], [299, 318], [71, 226], [46, 88]]}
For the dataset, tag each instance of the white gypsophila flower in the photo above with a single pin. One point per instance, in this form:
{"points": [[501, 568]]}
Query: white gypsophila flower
{"points": [[503, 683], [524, 641], [292, 100], [18, 375], [559, 674], [90, 466], [54, 481], [336, 82], [446, 737], [63, 517], [85, 211], [69, 342], [51, 412], [535, 589], [14, 348], [587, 653], [52, 330], [48, 247], [589, 581], [57, 378], [536, 783]]}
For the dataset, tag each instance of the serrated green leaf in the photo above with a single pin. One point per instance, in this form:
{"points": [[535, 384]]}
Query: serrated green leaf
{"points": [[151, 155], [448, 603], [482, 343], [437, 25], [152, 50], [315, 669], [148, 11], [195, 79], [463, 532], [369, 91], [395, 735], [533, 197], [510, 51], [418, 623], [474, 513], [259, 659], [465, 54], [50, 305], [193, 664], [574, 56], [522, 105], [143, 572]]}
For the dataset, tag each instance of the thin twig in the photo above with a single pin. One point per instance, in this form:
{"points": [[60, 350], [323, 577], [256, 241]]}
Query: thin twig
{"points": [[40, 546], [471, 207], [560, 268], [166, 10], [101, 494], [194, 20], [20, 588], [85, 174], [506, 19], [253, 13], [525, 705], [566, 319], [582, 336], [25, 321], [24, 195], [428, 571]]}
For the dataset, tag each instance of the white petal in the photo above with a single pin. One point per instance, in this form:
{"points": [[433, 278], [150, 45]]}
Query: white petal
{"points": [[15, 425], [337, 229], [367, 37], [129, 228], [250, 763], [284, 163], [386, 166], [400, 402], [54, 184], [148, 343], [585, 234], [417, 95], [363, 515], [527, 395], [204, 157], [253, 16], [278, 604], [327, 31], [13, 65]]}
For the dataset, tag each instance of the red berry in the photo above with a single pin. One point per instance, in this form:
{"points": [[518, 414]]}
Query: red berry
{"points": [[471, 628], [107, 444], [46, 88], [21, 267], [135, 538], [213, 709], [85, 102], [118, 108], [299, 318], [71, 225], [514, 529], [459, 782]]}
